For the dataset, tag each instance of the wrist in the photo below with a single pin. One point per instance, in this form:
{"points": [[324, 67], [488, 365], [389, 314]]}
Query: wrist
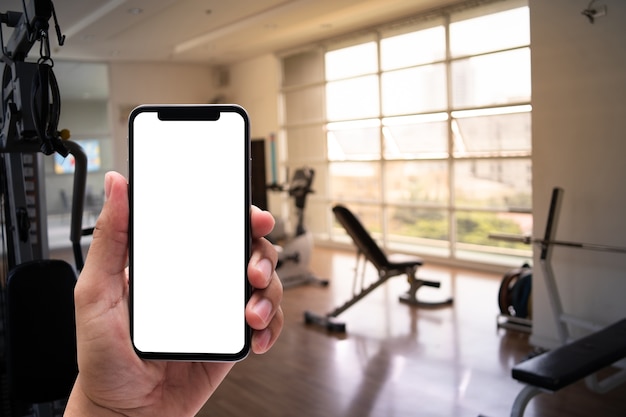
{"points": [[80, 405]]}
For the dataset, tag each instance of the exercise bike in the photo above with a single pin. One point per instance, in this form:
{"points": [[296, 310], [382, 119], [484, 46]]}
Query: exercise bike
{"points": [[294, 253]]}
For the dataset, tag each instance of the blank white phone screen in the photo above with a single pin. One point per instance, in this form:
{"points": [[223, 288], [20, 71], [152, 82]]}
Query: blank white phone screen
{"points": [[189, 256]]}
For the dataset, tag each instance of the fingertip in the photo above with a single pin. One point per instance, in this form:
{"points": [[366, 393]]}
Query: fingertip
{"points": [[108, 181], [262, 222], [266, 269], [261, 341], [263, 310]]}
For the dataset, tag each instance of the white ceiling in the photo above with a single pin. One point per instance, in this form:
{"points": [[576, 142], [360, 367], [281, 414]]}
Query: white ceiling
{"points": [[215, 32]]}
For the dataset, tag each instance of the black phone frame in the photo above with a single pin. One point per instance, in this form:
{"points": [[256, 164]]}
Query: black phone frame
{"points": [[209, 112]]}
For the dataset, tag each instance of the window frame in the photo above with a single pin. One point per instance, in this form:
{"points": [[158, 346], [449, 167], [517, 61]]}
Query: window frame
{"points": [[455, 248]]}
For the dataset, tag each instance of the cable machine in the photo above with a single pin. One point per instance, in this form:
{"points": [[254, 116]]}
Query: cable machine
{"points": [[37, 329]]}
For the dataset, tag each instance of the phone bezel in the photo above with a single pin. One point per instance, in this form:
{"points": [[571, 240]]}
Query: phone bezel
{"points": [[192, 112]]}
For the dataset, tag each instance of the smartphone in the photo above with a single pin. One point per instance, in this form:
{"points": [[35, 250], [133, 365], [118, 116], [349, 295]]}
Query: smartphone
{"points": [[189, 230]]}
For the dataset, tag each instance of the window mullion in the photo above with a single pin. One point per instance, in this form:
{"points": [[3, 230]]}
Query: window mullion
{"points": [[451, 189], [383, 204]]}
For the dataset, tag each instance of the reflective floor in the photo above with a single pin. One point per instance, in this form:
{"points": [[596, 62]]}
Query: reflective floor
{"points": [[395, 360]]}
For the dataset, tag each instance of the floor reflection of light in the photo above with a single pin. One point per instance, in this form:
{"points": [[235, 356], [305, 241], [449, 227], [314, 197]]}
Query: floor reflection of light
{"points": [[464, 383], [398, 367]]}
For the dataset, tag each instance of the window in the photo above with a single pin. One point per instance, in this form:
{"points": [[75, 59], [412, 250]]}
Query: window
{"points": [[427, 132]]}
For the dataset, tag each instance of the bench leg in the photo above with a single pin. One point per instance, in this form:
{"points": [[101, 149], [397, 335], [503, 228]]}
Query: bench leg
{"points": [[602, 386], [410, 297], [521, 401]]}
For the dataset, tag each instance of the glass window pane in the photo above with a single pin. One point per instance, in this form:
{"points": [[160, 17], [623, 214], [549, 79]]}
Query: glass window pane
{"points": [[409, 49], [495, 135], [418, 223], [352, 99], [500, 78], [355, 181], [414, 90], [492, 32], [369, 215], [316, 218], [475, 227], [423, 182], [493, 183], [411, 137], [354, 140], [352, 61], [304, 105]]}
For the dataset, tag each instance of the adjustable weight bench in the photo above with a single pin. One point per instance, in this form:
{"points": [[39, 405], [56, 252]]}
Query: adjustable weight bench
{"points": [[558, 368], [387, 266]]}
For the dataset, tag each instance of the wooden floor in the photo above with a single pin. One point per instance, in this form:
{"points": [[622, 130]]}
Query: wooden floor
{"points": [[395, 360]]}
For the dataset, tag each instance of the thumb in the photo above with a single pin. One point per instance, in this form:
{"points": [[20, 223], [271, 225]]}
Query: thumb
{"points": [[102, 289], [108, 253]]}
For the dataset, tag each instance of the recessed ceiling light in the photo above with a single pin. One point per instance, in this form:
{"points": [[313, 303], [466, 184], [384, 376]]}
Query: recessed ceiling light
{"points": [[135, 11]]}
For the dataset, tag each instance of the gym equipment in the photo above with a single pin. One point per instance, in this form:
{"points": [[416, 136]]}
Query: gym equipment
{"points": [[556, 369], [294, 256], [28, 128], [37, 326], [387, 266], [574, 360], [41, 334], [514, 299]]}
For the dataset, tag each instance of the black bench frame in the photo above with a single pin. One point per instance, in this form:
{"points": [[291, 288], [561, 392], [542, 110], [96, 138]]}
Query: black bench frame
{"points": [[558, 368], [387, 267]]}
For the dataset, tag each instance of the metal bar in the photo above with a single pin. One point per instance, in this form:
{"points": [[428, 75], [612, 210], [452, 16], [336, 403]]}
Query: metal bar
{"points": [[358, 297], [521, 401], [581, 323], [545, 260], [555, 301], [78, 200], [580, 245], [553, 214], [515, 323], [511, 238], [606, 384], [550, 232], [356, 271]]}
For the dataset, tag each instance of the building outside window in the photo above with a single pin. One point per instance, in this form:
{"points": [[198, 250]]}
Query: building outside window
{"points": [[422, 128]]}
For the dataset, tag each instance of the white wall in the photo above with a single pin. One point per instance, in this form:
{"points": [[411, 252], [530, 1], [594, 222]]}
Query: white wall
{"points": [[579, 144], [132, 84], [255, 85]]}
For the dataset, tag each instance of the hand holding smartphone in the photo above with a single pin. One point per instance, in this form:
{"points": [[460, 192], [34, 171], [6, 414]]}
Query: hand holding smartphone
{"points": [[189, 185]]}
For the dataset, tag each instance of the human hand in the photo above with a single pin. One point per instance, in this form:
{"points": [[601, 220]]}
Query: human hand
{"points": [[112, 379]]}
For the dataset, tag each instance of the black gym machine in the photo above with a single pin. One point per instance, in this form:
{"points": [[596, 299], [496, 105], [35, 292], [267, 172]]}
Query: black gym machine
{"points": [[294, 252], [37, 328]]}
